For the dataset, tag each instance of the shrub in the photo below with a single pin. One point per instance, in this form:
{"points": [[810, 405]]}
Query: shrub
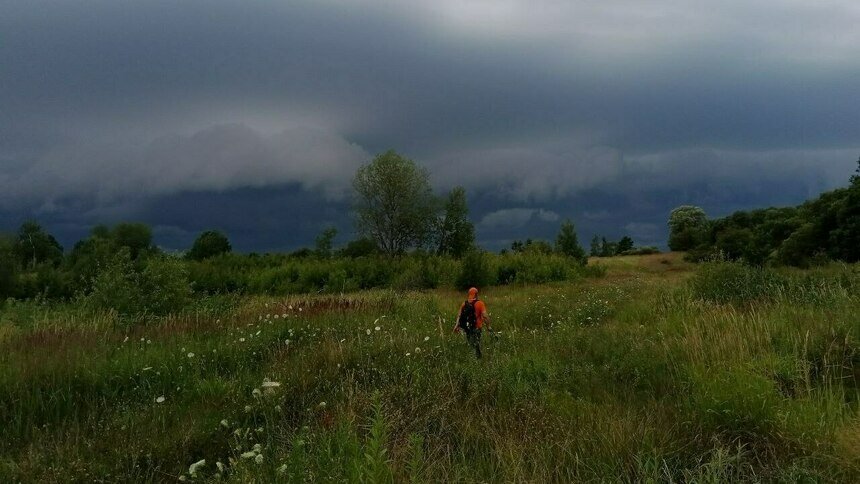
{"points": [[161, 287], [475, 271], [164, 286]]}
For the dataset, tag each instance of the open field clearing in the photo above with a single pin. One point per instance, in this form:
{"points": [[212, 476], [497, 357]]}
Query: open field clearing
{"points": [[658, 371]]}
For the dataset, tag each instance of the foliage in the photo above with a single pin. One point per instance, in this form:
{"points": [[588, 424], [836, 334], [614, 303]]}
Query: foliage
{"points": [[324, 241], [594, 248], [455, 233], [34, 246], [362, 247], [136, 237], [159, 288], [688, 226], [8, 267], [475, 271], [635, 378], [567, 242], [827, 227], [394, 203], [210, 243], [624, 245]]}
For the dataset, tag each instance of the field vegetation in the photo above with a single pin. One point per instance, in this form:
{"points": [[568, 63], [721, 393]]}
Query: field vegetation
{"points": [[655, 370]]}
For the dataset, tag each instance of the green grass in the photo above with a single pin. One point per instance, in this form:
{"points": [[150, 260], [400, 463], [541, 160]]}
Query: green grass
{"points": [[652, 373]]}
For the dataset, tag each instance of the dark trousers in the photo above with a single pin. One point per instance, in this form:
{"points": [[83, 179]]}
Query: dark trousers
{"points": [[473, 337]]}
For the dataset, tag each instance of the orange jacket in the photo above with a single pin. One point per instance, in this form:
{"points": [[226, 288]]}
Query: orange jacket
{"points": [[480, 308]]}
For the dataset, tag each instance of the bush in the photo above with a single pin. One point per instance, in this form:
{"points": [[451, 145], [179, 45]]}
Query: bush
{"points": [[164, 286], [475, 271], [161, 287]]}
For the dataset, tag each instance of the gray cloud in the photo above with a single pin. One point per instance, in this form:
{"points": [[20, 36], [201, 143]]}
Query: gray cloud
{"points": [[604, 111], [513, 218], [215, 159]]}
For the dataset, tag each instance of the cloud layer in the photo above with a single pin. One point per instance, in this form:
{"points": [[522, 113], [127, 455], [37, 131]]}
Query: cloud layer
{"points": [[576, 108]]}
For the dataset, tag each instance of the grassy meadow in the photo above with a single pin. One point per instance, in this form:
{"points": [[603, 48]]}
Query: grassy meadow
{"points": [[658, 371]]}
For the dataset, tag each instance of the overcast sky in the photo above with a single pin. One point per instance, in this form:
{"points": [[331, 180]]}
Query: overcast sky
{"points": [[252, 116]]}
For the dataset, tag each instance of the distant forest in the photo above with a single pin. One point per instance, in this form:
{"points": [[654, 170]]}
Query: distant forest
{"points": [[820, 230]]}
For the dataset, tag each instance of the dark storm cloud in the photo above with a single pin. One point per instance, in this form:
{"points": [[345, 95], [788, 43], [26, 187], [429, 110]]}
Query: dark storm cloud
{"points": [[110, 108]]}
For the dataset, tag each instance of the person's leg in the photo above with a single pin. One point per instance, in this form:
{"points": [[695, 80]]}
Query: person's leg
{"points": [[474, 337]]}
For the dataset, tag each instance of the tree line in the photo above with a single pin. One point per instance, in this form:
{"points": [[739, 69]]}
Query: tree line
{"points": [[822, 229], [396, 215]]}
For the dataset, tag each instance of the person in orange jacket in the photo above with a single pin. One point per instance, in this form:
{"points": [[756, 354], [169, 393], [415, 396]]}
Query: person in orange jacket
{"points": [[471, 319]]}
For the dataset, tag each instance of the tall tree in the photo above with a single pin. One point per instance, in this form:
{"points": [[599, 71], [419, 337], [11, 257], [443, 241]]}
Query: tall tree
{"points": [[209, 244], [455, 232], [687, 227], [394, 203], [568, 243], [595, 247], [625, 244], [325, 241], [35, 246], [136, 236]]}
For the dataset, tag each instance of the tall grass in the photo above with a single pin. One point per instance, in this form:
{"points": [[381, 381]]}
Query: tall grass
{"points": [[615, 379]]}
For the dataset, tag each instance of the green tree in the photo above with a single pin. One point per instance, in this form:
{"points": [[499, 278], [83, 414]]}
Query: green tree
{"points": [[687, 227], [475, 270], [325, 241], [567, 242], [35, 246], [625, 244], [537, 247], [136, 236], [607, 248], [595, 247], [209, 244], [362, 247], [394, 203], [455, 232]]}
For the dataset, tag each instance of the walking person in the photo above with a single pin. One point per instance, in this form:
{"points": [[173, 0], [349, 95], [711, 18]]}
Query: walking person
{"points": [[471, 318]]}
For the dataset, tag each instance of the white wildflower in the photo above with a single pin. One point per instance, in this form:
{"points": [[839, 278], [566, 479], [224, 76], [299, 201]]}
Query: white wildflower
{"points": [[256, 392], [408, 354], [241, 340], [321, 405], [248, 455], [160, 399], [190, 355], [377, 328], [426, 338], [368, 332], [224, 423]]}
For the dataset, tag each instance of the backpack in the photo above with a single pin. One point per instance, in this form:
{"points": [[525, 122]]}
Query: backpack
{"points": [[468, 316]]}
